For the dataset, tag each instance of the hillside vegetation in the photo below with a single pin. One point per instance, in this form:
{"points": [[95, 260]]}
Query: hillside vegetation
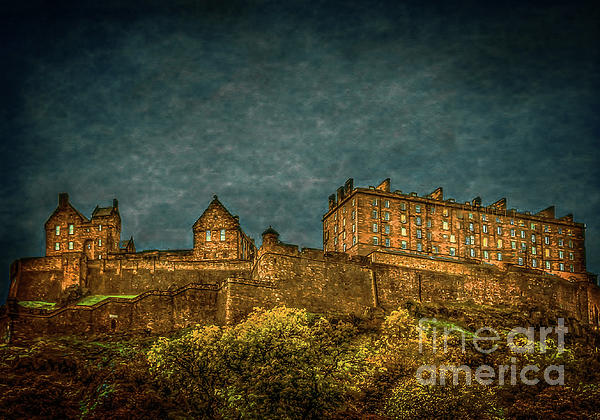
{"points": [[288, 363]]}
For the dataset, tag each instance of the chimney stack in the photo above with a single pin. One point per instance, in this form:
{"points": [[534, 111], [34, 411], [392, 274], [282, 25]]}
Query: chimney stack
{"points": [[63, 200], [115, 203]]}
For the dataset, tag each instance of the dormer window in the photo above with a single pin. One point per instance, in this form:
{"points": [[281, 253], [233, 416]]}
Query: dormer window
{"points": [[208, 236], [71, 229], [57, 230]]}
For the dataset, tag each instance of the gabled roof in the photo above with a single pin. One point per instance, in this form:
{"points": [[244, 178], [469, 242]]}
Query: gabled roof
{"points": [[68, 205], [215, 203], [102, 211]]}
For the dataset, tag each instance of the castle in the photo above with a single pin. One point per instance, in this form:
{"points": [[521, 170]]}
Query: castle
{"points": [[380, 249]]}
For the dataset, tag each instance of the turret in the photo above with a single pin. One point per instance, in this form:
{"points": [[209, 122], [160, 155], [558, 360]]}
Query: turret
{"points": [[270, 237]]}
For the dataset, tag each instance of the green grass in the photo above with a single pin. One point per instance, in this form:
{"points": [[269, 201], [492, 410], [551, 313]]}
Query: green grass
{"points": [[93, 299], [37, 304]]}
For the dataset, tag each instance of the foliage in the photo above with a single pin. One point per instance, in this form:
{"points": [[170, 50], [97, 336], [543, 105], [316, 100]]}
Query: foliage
{"points": [[38, 304], [93, 299], [278, 363]]}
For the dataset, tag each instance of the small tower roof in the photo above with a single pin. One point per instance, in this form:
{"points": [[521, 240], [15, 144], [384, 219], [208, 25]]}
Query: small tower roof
{"points": [[271, 231]]}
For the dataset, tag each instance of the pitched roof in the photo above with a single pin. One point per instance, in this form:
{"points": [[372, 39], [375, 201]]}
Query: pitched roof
{"points": [[102, 211], [215, 203], [58, 208]]}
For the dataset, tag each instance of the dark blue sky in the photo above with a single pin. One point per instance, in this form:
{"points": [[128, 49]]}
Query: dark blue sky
{"points": [[272, 105]]}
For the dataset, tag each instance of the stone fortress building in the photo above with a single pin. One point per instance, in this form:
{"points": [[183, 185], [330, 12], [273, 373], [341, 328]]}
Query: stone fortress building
{"points": [[380, 249]]}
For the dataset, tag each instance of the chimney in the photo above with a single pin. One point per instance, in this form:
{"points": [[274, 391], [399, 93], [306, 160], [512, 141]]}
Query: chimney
{"points": [[63, 200], [384, 186], [476, 201], [115, 203], [331, 201], [349, 186], [340, 194]]}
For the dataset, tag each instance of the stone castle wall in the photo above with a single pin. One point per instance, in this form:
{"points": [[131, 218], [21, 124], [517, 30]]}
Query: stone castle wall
{"points": [[177, 291]]}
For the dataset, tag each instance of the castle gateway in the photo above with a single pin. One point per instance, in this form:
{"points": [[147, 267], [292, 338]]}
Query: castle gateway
{"points": [[380, 249]]}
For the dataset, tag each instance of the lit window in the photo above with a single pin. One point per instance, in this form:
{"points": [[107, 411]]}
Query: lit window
{"points": [[334, 231], [99, 256], [471, 226], [387, 204], [547, 240], [56, 246], [433, 210], [403, 218], [513, 245], [417, 209], [520, 261], [387, 229], [57, 230], [472, 251], [386, 215], [418, 221], [403, 245], [445, 225], [533, 250], [523, 234], [472, 240], [99, 242], [547, 252], [419, 246], [71, 229], [452, 251], [499, 243], [499, 256], [561, 266], [484, 228], [99, 228], [486, 255], [452, 238], [571, 256], [374, 214], [532, 238], [403, 231], [374, 227], [419, 233], [222, 234], [343, 222], [208, 239], [387, 241], [445, 212], [499, 230], [534, 262], [547, 265], [374, 202], [485, 241], [560, 242], [375, 240], [70, 245]]}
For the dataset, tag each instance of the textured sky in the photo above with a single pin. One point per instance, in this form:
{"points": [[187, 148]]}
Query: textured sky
{"points": [[272, 105]]}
